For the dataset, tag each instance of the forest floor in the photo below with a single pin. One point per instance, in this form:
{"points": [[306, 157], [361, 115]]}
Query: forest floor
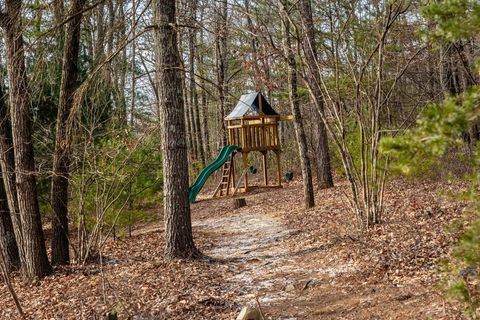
{"points": [[300, 264]]}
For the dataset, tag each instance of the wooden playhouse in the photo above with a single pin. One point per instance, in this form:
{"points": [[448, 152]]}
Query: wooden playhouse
{"points": [[253, 125]]}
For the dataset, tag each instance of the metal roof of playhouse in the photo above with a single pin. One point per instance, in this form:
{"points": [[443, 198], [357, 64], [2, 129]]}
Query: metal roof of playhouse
{"points": [[248, 105]]}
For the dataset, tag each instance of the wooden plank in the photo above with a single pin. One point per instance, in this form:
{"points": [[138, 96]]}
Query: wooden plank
{"points": [[245, 165], [229, 180], [232, 170], [216, 190], [265, 169], [277, 137], [244, 142], [240, 181], [270, 136], [263, 133], [279, 169]]}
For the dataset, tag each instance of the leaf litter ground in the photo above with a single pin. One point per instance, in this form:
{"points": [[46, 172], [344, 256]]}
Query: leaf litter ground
{"points": [[301, 264]]}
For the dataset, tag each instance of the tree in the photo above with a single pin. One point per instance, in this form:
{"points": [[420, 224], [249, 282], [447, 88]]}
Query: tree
{"points": [[34, 261], [192, 43], [8, 243], [178, 226], [8, 197], [309, 197], [61, 158], [203, 93], [322, 154], [222, 65]]}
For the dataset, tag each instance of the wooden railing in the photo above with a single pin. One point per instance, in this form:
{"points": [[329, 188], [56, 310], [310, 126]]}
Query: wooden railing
{"points": [[253, 137]]}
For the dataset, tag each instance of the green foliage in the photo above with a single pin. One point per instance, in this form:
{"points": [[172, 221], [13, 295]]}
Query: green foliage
{"points": [[353, 145], [462, 269], [119, 182], [455, 19], [438, 128]]}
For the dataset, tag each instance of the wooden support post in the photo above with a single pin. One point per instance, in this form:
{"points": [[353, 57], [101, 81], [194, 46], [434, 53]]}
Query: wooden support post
{"points": [[232, 170], [230, 132], [279, 168], [244, 142], [263, 128], [260, 106], [240, 181], [245, 166], [229, 180], [265, 168]]}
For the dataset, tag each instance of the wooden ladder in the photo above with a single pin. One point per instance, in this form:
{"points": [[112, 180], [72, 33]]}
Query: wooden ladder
{"points": [[223, 188]]}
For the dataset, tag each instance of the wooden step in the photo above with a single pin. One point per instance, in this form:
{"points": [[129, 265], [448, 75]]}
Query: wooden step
{"points": [[223, 187]]}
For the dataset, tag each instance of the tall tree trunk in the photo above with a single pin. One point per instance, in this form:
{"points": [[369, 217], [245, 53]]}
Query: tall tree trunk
{"points": [[257, 74], [192, 152], [58, 16], [99, 43], [192, 43], [322, 152], [205, 115], [61, 157], [448, 70], [134, 49], [35, 263], [8, 242], [297, 115], [118, 76], [7, 163], [178, 226], [189, 119], [203, 98], [222, 62]]}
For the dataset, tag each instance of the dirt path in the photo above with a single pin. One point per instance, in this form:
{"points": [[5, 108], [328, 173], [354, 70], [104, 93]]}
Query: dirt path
{"points": [[252, 245], [258, 249], [312, 265]]}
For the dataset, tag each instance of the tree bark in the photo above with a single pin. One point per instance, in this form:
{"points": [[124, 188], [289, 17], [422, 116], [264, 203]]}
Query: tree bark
{"points": [[192, 43], [8, 242], [221, 60], [178, 227], [99, 42], [297, 115], [449, 75], [35, 263], [192, 152], [322, 152], [206, 132], [203, 98], [61, 157], [7, 164]]}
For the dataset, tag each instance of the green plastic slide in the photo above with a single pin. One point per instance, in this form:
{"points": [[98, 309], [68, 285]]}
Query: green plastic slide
{"points": [[223, 156]]}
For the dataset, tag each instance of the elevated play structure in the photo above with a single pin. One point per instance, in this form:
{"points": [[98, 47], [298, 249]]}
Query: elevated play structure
{"points": [[253, 125]]}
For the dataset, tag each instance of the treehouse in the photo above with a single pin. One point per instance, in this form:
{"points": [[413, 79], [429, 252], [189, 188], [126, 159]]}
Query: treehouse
{"points": [[253, 126]]}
